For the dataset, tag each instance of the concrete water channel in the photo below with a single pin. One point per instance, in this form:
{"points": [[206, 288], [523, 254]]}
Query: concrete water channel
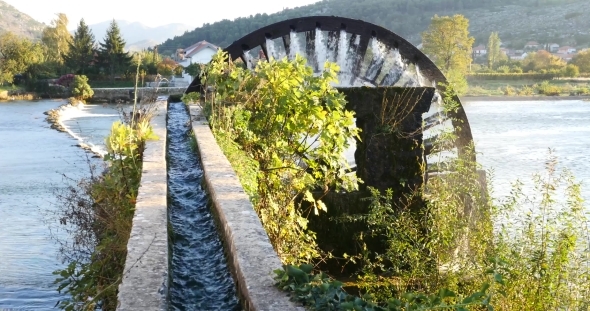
{"points": [[196, 241]]}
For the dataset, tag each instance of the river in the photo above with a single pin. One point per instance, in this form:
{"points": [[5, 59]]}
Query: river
{"points": [[33, 158], [512, 138]]}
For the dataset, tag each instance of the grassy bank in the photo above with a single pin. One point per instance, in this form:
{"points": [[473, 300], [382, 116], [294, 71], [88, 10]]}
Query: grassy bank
{"points": [[555, 87]]}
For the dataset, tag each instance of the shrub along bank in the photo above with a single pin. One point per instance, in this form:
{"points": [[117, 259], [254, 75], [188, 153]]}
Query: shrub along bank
{"points": [[284, 131], [97, 214]]}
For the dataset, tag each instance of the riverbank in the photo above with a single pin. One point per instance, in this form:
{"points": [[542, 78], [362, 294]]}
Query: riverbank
{"points": [[56, 118]]}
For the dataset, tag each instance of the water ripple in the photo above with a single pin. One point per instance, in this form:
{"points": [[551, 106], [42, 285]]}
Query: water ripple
{"points": [[200, 276]]}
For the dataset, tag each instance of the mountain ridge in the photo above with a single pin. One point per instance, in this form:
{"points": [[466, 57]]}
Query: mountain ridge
{"points": [[517, 21], [19, 23], [139, 36]]}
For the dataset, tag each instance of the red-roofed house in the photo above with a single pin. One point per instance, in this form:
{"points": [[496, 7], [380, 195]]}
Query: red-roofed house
{"points": [[480, 50], [566, 50], [200, 52]]}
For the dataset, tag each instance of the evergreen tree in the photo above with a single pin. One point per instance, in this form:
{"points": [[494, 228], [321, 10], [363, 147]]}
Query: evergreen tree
{"points": [[82, 49], [112, 55]]}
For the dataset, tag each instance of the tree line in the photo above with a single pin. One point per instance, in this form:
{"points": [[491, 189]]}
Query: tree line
{"points": [[58, 53], [405, 17]]}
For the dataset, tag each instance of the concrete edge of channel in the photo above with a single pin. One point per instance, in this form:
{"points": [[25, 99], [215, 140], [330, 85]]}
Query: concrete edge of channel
{"points": [[144, 283], [251, 256]]}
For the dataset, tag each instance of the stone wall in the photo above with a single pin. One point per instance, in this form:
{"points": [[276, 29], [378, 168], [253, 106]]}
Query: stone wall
{"points": [[145, 278], [251, 257], [126, 94]]}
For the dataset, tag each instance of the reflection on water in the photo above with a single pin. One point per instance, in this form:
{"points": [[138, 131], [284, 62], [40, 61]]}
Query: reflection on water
{"points": [[514, 138], [32, 159]]}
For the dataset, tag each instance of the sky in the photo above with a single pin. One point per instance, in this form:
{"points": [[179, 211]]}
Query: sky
{"points": [[152, 14]]}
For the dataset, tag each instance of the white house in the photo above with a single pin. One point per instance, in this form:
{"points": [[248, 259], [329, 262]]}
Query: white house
{"points": [[532, 45], [552, 47], [518, 56], [200, 53], [480, 50]]}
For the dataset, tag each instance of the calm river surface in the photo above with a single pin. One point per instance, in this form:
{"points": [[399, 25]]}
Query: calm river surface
{"points": [[32, 159], [512, 136]]}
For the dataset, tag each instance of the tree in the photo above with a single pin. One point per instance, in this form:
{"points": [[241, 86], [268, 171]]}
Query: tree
{"points": [[111, 53], [449, 45], [494, 53], [82, 49], [571, 71], [582, 60], [166, 67], [81, 89], [57, 38], [17, 56], [194, 69], [542, 61]]}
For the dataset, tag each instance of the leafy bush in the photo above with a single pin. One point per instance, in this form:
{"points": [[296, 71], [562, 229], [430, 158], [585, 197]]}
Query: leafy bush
{"points": [[81, 89], [319, 292], [294, 125], [509, 91], [97, 212], [545, 88]]}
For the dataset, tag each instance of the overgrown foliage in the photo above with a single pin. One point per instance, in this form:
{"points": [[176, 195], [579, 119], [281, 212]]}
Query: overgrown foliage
{"points": [[96, 214], [448, 44], [295, 127], [319, 292], [463, 250]]}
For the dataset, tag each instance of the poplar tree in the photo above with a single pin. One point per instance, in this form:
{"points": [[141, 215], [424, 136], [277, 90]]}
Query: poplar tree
{"points": [[448, 44], [57, 38], [112, 53], [493, 50], [82, 49]]}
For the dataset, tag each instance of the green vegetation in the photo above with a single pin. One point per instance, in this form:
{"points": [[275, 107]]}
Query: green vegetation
{"points": [[111, 53], [98, 213], [82, 49], [448, 44], [34, 66], [494, 54], [57, 39], [274, 116], [81, 89], [410, 18], [462, 250]]}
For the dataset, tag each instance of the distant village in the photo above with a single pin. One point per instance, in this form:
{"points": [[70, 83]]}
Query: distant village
{"points": [[565, 53]]}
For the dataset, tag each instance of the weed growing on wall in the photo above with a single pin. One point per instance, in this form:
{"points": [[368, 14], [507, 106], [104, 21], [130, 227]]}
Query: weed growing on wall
{"points": [[97, 212]]}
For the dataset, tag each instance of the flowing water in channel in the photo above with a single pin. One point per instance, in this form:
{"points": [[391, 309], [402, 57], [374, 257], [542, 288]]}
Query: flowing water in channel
{"points": [[200, 276]]}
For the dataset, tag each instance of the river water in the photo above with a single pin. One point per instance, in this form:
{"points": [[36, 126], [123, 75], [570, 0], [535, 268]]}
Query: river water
{"points": [[33, 158], [513, 138]]}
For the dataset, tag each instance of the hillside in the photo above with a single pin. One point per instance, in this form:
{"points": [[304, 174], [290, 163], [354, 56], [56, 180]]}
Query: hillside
{"points": [[18, 23], [517, 21]]}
